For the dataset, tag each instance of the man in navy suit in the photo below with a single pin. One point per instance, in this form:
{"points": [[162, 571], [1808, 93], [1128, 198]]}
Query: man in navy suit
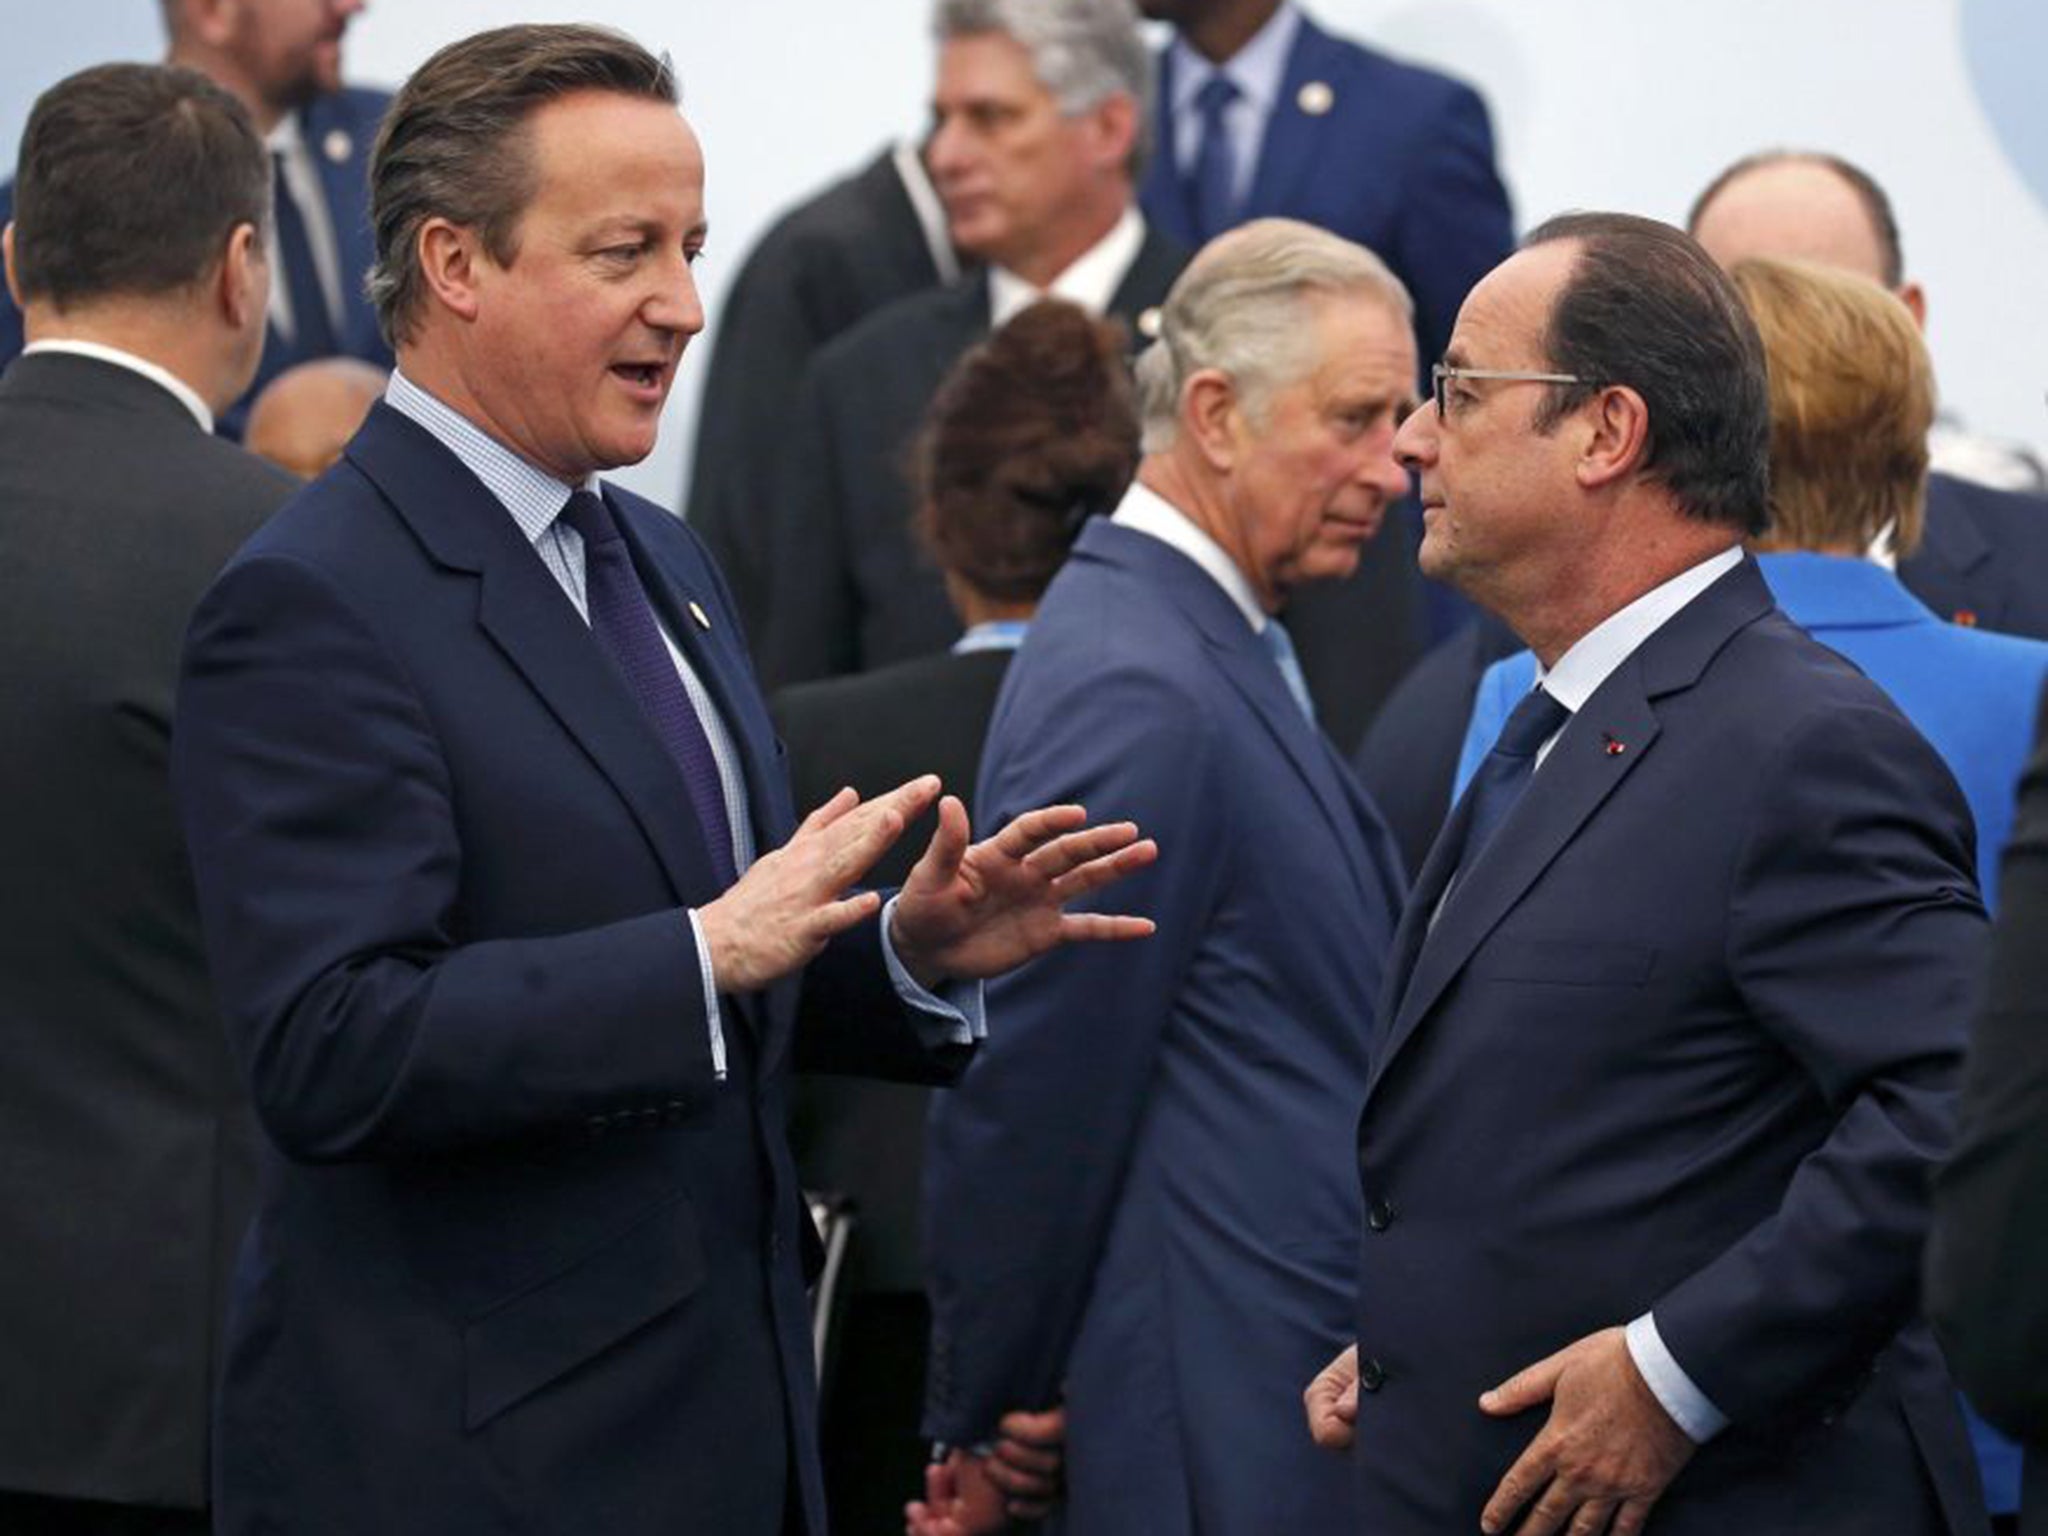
{"points": [[1142, 1198], [475, 774], [1675, 1010], [282, 58]]}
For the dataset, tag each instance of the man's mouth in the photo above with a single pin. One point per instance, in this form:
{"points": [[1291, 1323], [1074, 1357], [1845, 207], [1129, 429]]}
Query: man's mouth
{"points": [[646, 377]]}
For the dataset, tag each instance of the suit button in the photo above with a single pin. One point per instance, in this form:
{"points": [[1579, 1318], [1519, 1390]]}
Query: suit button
{"points": [[1380, 1215], [1371, 1375], [775, 1247]]}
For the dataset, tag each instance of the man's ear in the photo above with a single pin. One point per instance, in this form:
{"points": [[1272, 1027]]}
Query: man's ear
{"points": [[451, 260], [1116, 121], [242, 287], [1914, 297], [1617, 436], [7, 263], [1211, 415]]}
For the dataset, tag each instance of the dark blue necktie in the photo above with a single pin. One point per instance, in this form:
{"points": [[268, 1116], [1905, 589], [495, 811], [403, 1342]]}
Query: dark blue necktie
{"points": [[1213, 186], [623, 621], [1507, 769], [312, 328]]}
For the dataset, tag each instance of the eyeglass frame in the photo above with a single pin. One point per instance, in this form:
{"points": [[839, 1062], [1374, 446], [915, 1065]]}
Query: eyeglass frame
{"points": [[1442, 373]]}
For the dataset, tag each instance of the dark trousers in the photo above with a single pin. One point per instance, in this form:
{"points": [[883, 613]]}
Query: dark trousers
{"points": [[30, 1514], [874, 1455]]}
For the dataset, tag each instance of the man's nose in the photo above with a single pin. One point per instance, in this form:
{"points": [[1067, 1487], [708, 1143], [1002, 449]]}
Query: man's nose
{"points": [[675, 305], [1415, 442]]}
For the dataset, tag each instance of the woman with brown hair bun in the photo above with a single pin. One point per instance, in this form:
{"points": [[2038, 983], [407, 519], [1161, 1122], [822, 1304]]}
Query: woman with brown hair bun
{"points": [[1033, 432]]}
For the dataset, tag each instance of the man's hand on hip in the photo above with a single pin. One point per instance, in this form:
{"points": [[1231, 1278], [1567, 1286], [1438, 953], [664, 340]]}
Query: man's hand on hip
{"points": [[791, 902], [971, 911], [1605, 1457]]}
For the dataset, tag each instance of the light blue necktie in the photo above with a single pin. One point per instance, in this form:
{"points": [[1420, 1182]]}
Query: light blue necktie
{"points": [[1281, 645]]}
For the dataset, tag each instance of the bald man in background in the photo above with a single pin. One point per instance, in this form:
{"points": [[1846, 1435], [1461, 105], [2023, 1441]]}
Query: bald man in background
{"points": [[1983, 560], [307, 415]]}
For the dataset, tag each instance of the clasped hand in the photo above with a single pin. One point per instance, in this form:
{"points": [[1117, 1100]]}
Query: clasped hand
{"points": [[967, 911]]}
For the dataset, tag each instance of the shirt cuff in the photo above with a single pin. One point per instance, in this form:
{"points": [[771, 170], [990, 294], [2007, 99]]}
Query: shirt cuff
{"points": [[712, 1019], [1690, 1408], [954, 1015]]}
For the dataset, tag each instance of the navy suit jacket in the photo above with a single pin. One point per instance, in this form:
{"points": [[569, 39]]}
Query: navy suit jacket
{"points": [[1143, 1196], [1401, 162], [1683, 1039], [1983, 557], [340, 130], [520, 1261]]}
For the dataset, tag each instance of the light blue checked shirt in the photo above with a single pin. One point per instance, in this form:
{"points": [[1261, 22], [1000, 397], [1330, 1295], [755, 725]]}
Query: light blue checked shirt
{"points": [[535, 500]]}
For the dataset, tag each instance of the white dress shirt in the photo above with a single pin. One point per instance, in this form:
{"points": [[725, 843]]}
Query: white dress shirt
{"points": [[1090, 280], [535, 500], [287, 142], [1144, 510], [1258, 70]]}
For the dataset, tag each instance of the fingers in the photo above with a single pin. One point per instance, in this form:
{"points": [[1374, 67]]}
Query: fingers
{"points": [[1530, 1473], [1110, 867], [1103, 928], [1630, 1518], [1331, 1402], [1035, 828], [1070, 850], [1593, 1517], [842, 802], [1526, 1388], [940, 860], [1047, 1430]]}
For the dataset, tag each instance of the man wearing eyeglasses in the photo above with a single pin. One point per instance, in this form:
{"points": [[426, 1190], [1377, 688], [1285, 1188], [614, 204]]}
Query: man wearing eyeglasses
{"points": [[1670, 1036]]}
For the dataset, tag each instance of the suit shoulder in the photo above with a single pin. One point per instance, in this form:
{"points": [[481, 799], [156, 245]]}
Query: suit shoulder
{"points": [[1397, 85], [899, 327], [353, 104], [2004, 516], [825, 707]]}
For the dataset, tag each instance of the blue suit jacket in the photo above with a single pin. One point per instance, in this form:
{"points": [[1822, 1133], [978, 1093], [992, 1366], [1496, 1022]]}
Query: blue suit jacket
{"points": [[1401, 162], [340, 131], [1143, 1194], [1684, 1038], [1971, 694], [520, 1261]]}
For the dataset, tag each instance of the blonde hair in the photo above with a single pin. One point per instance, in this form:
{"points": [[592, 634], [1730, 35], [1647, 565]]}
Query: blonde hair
{"points": [[1852, 397]]}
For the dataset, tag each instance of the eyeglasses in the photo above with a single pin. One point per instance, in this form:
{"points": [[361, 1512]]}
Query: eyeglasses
{"points": [[1442, 373]]}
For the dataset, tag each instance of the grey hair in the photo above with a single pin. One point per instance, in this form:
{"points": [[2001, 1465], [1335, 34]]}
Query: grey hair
{"points": [[1083, 51], [1239, 309]]}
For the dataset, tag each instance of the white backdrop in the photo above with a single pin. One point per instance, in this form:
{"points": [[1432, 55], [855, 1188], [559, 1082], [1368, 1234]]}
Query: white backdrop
{"points": [[1597, 103]]}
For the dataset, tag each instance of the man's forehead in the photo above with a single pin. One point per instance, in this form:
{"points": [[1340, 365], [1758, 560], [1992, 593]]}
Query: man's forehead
{"points": [[1502, 320]]}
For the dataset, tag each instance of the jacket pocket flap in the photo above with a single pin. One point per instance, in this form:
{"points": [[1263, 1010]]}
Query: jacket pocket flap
{"points": [[523, 1344]]}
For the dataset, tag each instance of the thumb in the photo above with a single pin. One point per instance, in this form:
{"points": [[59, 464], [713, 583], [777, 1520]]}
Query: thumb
{"points": [[942, 855], [1526, 1388]]}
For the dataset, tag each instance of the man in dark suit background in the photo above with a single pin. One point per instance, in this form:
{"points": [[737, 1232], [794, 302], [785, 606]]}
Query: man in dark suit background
{"points": [[1262, 113], [862, 243], [282, 60], [475, 774], [1142, 1199], [126, 1151], [1987, 1262], [1674, 1015], [1038, 132], [1983, 556]]}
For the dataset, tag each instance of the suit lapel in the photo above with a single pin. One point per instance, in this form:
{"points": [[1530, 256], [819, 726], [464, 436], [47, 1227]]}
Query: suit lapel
{"points": [[1165, 193], [1601, 747], [1294, 137], [526, 614], [338, 152]]}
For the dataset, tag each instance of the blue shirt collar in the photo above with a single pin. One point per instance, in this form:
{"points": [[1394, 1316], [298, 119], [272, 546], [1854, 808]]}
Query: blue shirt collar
{"points": [[533, 496], [1258, 68]]}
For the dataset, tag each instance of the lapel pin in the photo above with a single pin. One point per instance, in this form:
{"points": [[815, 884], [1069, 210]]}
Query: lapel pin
{"points": [[697, 612], [337, 146], [1612, 747], [1149, 323], [1967, 617], [1315, 98]]}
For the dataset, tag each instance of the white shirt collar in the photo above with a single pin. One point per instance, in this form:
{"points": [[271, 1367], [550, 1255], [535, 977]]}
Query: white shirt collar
{"points": [[1257, 69], [1581, 670], [931, 213], [185, 394], [1144, 510], [1090, 280], [533, 496]]}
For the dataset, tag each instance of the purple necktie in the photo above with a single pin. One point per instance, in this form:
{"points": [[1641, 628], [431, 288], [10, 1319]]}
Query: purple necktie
{"points": [[623, 621]]}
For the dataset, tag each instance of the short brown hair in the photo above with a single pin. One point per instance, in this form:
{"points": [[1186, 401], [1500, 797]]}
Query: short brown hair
{"points": [[1852, 397], [455, 143], [132, 177], [1033, 432]]}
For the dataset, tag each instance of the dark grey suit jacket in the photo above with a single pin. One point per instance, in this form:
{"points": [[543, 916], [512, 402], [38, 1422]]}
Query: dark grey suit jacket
{"points": [[827, 263], [851, 590], [125, 1149]]}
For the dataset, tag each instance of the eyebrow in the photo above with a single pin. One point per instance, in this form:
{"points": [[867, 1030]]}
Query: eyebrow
{"points": [[1454, 356]]}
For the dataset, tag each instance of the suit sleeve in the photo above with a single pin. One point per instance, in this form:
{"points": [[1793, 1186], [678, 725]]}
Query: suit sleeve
{"points": [[322, 829], [1025, 1159], [1988, 1259], [1455, 224], [1855, 932]]}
